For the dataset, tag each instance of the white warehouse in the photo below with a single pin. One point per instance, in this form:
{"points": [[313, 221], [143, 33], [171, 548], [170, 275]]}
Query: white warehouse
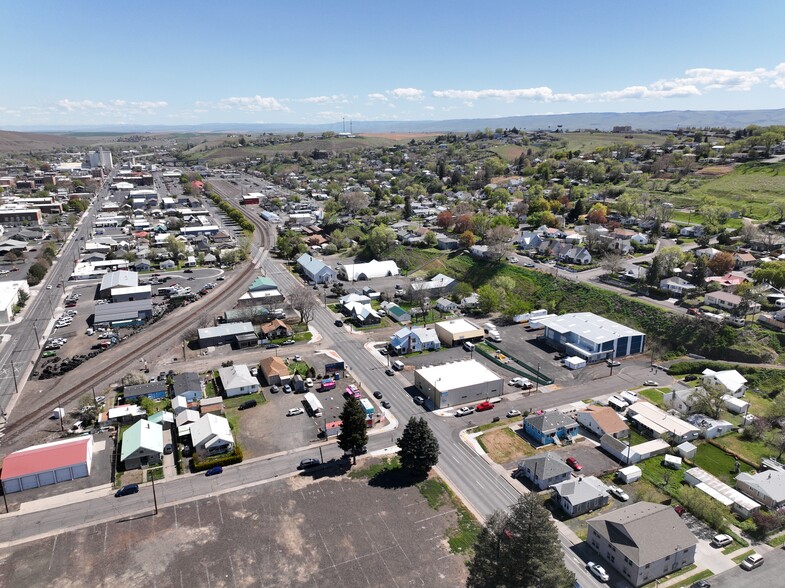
{"points": [[460, 382]]}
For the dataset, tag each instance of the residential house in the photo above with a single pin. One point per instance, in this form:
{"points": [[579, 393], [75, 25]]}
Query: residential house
{"points": [[183, 421], [179, 404], [446, 305], [620, 240], [709, 427], [142, 265], [445, 243], [691, 231], [681, 399], [412, 340], [277, 329], [237, 380], [658, 424], [577, 496], [577, 255], [470, 301], [363, 315], [643, 541], [345, 302], [152, 390], [396, 313], [603, 420], [729, 281], [544, 470], [528, 241], [212, 435], [438, 285], [767, 487], [315, 270], [274, 370], [676, 285], [550, 427], [187, 385], [730, 381], [743, 261], [142, 445], [729, 302]]}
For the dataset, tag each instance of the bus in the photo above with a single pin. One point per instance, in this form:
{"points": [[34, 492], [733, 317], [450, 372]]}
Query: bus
{"points": [[314, 406]]}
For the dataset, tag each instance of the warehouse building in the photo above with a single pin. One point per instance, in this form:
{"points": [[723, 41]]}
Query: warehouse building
{"points": [[123, 314], [460, 382], [117, 279], [50, 463], [591, 337], [231, 333], [457, 332], [123, 294], [9, 297]]}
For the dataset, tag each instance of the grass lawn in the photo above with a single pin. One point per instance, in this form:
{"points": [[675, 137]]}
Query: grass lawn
{"points": [[489, 426], [366, 473], [718, 463], [759, 405], [234, 402], [752, 450], [209, 389], [298, 367], [740, 558], [653, 395], [503, 445], [664, 479], [636, 438]]}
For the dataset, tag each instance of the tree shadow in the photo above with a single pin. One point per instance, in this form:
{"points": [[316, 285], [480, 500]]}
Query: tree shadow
{"points": [[334, 468], [396, 478]]}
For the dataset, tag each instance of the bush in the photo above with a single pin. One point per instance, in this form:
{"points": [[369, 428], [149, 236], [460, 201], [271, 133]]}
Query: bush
{"points": [[201, 465], [704, 507]]}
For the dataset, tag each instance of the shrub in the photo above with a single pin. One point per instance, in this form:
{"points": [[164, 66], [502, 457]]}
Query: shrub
{"points": [[704, 507], [201, 465]]}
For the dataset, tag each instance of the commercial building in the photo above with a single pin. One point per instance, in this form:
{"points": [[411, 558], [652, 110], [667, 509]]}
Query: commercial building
{"points": [[100, 158], [368, 271], [50, 463], [315, 270], [223, 334], [123, 314], [97, 269], [591, 337], [12, 214], [643, 541], [456, 383], [9, 296], [458, 331], [116, 280], [123, 294]]}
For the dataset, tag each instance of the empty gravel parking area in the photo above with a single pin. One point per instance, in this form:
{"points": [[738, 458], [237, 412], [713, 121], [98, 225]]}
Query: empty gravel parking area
{"points": [[297, 532]]}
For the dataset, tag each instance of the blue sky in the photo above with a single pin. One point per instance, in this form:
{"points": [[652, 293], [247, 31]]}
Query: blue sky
{"points": [[187, 62]]}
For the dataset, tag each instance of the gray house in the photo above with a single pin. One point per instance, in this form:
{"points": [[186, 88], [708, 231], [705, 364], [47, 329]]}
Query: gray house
{"points": [[544, 470], [580, 495], [767, 487], [188, 385], [315, 270]]}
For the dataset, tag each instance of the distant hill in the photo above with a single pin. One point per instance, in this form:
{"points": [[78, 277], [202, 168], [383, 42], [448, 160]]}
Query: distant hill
{"points": [[602, 121], [15, 142]]}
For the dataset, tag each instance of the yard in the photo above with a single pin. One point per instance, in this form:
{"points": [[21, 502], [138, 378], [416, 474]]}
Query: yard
{"points": [[718, 463], [654, 395], [751, 450], [504, 445]]}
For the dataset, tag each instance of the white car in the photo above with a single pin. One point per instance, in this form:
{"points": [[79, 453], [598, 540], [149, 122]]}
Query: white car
{"points": [[49, 287], [464, 411], [650, 383], [295, 411], [598, 571], [308, 382], [513, 413], [618, 493], [721, 540]]}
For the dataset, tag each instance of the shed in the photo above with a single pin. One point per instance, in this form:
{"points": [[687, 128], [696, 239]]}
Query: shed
{"points": [[687, 450], [50, 463], [574, 363], [672, 461], [629, 474]]}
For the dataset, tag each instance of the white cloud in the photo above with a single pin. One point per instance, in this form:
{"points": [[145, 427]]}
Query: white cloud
{"points": [[377, 97], [406, 93], [430, 108], [252, 103], [334, 99], [112, 107]]}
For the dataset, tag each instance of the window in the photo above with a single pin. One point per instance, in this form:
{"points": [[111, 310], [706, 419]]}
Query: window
{"points": [[667, 557]]}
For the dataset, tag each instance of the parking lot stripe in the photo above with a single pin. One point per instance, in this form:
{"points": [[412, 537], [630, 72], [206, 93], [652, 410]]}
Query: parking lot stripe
{"points": [[220, 512]]}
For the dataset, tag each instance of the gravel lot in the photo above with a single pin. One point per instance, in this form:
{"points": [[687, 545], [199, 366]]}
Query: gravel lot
{"points": [[297, 532]]}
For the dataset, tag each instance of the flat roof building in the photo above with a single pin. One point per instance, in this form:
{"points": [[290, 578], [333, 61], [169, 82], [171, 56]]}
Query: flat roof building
{"points": [[223, 334], [117, 314], [9, 296], [592, 337], [461, 382], [457, 331]]}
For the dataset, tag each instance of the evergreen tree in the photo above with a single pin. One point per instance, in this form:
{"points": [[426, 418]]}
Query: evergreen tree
{"points": [[407, 207], [699, 272], [354, 433], [519, 549], [419, 449], [653, 274]]}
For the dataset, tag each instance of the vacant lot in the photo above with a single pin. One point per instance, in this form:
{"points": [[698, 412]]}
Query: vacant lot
{"points": [[298, 532], [504, 445]]}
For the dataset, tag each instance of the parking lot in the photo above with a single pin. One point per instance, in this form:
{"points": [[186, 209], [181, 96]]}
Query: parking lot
{"points": [[295, 532]]}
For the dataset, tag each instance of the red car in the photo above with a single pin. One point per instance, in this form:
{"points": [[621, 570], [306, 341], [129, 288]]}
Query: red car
{"points": [[573, 463], [680, 510], [483, 406]]}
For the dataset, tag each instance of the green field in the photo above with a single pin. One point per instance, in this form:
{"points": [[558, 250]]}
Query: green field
{"points": [[590, 141]]}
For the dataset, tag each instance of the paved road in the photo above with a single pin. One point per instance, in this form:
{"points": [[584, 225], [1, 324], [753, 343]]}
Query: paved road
{"points": [[770, 574]]}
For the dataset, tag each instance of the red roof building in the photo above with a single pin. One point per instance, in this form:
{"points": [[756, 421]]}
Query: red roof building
{"points": [[50, 463]]}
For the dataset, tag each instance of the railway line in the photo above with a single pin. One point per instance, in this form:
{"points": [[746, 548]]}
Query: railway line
{"points": [[161, 335]]}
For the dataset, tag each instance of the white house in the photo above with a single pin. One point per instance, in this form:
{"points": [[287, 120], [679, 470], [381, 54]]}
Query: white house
{"points": [[211, 435], [408, 340], [730, 381], [237, 380], [446, 305], [315, 270], [678, 286]]}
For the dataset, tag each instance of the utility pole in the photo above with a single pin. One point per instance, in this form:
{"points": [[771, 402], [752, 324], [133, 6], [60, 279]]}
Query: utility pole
{"points": [[13, 372], [537, 388], [37, 338], [155, 499]]}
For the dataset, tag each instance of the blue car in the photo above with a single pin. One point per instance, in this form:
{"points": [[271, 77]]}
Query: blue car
{"points": [[126, 490], [214, 471]]}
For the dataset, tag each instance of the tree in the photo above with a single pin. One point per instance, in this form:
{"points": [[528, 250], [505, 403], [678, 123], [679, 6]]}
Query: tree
{"points": [[291, 245], [175, 247], [467, 239], [708, 400], [721, 263], [699, 273], [419, 448], [669, 259], [497, 239], [304, 302], [463, 223], [519, 549], [598, 214], [133, 378], [612, 263], [490, 298], [772, 272], [353, 202], [380, 240], [654, 272], [444, 219], [354, 432], [149, 405]]}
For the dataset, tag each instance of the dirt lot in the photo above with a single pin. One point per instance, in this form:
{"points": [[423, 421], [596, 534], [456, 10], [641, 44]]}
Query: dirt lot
{"points": [[334, 532], [505, 446]]}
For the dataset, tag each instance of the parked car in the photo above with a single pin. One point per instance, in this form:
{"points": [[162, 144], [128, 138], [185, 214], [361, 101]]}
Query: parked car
{"points": [[126, 490], [483, 406], [309, 382], [573, 463], [680, 510], [613, 363], [419, 400], [377, 394], [650, 383], [338, 323], [386, 404], [389, 372], [295, 411], [690, 378], [247, 404], [168, 449], [700, 584], [618, 493], [722, 540], [214, 471], [287, 389], [272, 346], [514, 412], [528, 264], [598, 571], [752, 561], [463, 411], [308, 462]]}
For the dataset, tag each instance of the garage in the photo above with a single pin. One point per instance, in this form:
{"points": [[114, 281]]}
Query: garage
{"points": [[47, 464]]}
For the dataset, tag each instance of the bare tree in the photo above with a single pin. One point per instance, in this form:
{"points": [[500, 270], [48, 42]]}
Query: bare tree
{"points": [[708, 400], [305, 303], [612, 263], [353, 202]]}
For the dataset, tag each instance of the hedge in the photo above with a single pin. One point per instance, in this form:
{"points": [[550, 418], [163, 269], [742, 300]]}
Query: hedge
{"points": [[201, 465]]}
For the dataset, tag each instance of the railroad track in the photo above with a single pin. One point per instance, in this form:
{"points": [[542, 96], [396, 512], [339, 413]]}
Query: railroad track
{"points": [[162, 334]]}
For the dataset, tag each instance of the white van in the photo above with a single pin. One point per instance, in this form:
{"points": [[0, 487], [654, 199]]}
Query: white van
{"points": [[494, 336], [398, 364], [488, 327], [468, 346]]}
